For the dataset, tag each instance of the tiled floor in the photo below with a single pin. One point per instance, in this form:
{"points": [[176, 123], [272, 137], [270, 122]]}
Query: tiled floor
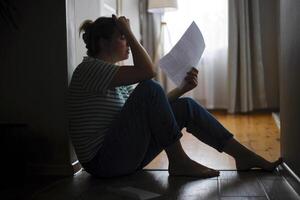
{"points": [[230, 185]]}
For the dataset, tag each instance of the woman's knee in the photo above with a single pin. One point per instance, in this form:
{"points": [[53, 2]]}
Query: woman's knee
{"points": [[189, 101], [192, 104], [151, 85]]}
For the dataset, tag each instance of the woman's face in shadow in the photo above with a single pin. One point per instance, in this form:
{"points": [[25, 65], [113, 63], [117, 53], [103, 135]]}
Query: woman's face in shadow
{"points": [[119, 47]]}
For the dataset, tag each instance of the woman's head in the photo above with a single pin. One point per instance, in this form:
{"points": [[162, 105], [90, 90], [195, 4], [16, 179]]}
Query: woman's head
{"points": [[102, 37]]}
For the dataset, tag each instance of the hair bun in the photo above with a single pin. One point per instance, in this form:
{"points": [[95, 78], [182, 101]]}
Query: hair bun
{"points": [[85, 26], [103, 27]]}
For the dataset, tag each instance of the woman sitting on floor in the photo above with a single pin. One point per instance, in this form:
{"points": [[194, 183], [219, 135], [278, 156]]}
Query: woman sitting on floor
{"points": [[117, 130]]}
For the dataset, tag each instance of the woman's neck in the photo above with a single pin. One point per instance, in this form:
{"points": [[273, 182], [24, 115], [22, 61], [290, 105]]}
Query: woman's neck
{"points": [[105, 57]]}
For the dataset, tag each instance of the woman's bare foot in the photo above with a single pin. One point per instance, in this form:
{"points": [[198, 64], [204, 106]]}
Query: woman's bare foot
{"points": [[245, 164], [246, 159], [191, 168]]}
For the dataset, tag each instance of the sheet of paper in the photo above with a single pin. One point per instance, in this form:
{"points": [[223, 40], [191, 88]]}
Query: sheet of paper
{"points": [[184, 55]]}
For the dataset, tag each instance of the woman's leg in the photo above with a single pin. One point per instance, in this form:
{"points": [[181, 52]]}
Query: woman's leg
{"points": [[146, 116], [145, 127], [181, 165], [206, 128], [246, 159], [199, 122]]}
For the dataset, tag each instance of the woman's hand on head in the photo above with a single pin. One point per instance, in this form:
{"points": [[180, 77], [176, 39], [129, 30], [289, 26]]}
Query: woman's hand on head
{"points": [[122, 24]]}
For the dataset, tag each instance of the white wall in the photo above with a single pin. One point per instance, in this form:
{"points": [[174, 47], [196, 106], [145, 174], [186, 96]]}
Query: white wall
{"points": [[84, 10]]}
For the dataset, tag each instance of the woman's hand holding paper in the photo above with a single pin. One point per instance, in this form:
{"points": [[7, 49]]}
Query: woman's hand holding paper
{"points": [[190, 81]]}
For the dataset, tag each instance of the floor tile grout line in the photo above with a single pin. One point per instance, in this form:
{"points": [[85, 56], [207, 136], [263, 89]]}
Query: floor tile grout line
{"points": [[51, 185], [263, 188], [290, 186], [265, 194], [290, 172], [219, 188]]}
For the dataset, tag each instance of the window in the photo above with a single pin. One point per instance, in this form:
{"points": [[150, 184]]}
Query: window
{"points": [[212, 18]]}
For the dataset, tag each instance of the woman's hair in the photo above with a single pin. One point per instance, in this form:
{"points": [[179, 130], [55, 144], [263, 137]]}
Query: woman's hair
{"points": [[103, 27]]}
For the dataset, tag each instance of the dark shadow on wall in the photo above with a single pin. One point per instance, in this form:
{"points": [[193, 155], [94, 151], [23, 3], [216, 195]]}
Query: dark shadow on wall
{"points": [[34, 80], [289, 83]]}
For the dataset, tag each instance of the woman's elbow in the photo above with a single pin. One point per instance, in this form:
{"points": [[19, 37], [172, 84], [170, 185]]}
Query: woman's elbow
{"points": [[152, 74]]}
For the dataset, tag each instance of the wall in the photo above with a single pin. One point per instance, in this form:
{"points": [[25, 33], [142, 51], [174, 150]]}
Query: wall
{"points": [[84, 11], [289, 82], [130, 9], [33, 82], [36, 61]]}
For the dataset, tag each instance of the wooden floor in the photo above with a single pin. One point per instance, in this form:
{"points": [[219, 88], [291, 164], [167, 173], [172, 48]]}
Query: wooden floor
{"points": [[256, 131]]}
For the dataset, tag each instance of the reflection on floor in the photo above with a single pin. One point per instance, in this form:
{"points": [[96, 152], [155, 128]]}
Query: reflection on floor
{"points": [[158, 185]]}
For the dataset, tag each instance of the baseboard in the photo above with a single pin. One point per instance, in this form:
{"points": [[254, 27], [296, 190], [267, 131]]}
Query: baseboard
{"points": [[76, 167], [291, 177], [53, 170], [50, 169], [285, 170], [276, 119]]}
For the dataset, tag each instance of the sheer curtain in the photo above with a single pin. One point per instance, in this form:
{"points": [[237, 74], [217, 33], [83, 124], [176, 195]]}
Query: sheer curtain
{"points": [[212, 18]]}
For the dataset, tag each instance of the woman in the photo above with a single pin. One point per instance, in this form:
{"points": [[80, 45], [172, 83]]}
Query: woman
{"points": [[117, 130]]}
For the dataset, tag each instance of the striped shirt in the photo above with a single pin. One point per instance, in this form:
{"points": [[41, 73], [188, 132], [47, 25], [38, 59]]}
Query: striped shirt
{"points": [[92, 106]]}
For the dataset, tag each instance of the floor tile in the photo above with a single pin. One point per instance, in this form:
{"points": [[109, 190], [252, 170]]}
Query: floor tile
{"points": [[279, 189], [240, 184], [230, 174], [230, 185]]}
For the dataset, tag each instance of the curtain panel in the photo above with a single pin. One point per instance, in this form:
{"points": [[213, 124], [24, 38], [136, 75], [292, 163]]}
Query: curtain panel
{"points": [[246, 78], [150, 29]]}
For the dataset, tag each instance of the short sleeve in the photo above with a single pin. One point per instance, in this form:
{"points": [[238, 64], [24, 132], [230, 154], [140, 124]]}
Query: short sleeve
{"points": [[130, 88], [97, 75]]}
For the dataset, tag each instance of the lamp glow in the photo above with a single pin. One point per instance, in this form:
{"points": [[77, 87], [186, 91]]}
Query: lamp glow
{"points": [[161, 6]]}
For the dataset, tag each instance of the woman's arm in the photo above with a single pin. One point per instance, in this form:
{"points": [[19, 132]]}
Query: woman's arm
{"points": [[143, 68], [174, 94], [190, 82]]}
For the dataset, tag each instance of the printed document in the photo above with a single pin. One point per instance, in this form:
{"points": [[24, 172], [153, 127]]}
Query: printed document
{"points": [[184, 55]]}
